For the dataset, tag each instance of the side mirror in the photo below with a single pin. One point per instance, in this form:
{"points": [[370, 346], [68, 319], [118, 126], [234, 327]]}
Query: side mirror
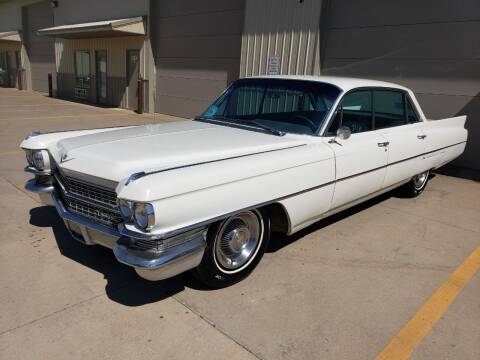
{"points": [[344, 132]]}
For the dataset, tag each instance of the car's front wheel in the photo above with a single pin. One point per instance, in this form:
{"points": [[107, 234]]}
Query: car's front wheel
{"points": [[234, 248], [416, 185]]}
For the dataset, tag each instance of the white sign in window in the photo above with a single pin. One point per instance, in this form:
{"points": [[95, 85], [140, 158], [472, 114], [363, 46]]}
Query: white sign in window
{"points": [[273, 65]]}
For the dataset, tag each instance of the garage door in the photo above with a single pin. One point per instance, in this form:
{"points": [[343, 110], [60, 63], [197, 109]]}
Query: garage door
{"points": [[431, 48], [40, 49], [196, 47]]}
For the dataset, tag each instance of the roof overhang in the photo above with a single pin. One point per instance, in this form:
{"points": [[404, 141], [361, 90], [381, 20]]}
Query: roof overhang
{"points": [[13, 36], [105, 28]]}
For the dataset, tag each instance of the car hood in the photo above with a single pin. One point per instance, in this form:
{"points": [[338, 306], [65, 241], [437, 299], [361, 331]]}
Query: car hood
{"points": [[115, 155]]}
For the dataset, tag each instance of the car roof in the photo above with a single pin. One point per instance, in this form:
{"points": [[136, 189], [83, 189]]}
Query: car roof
{"points": [[344, 83]]}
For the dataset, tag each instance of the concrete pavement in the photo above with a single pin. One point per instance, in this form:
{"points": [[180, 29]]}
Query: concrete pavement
{"points": [[340, 289]]}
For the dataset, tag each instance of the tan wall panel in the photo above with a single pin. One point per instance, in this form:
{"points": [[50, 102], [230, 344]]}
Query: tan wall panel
{"points": [[10, 45], [284, 28]]}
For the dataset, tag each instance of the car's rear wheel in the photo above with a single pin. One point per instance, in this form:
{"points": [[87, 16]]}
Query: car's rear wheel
{"points": [[234, 248], [416, 185]]}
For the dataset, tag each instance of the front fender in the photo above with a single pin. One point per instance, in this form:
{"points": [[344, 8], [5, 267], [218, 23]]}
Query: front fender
{"points": [[195, 195]]}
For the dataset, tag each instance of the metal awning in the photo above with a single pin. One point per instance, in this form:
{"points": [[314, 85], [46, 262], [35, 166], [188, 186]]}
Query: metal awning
{"points": [[10, 36], [105, 28]]}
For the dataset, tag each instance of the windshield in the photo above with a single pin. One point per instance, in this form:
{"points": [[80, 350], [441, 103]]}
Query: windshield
{"points": [[278, 105]]}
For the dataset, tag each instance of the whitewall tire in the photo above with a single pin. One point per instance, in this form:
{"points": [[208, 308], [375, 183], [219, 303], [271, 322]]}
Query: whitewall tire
{"points": [[235, 246]]}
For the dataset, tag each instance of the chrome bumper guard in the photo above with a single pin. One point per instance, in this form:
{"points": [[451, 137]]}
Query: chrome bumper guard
{"points": [[170, 262], [185, 253]]}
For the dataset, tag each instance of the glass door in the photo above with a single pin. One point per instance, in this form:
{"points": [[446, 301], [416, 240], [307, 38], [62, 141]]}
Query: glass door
{"points": [[133, 71], [3, 69], [101, 71]]}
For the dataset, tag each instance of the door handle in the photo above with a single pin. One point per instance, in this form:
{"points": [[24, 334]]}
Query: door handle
{"points": [[421, 137], [383, 144]]}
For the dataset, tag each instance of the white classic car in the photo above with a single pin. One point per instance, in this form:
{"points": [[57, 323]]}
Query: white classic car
{"points": [[274, 153]]}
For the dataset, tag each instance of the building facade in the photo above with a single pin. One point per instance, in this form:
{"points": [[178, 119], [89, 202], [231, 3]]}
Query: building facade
{"points": [[185, 52]]}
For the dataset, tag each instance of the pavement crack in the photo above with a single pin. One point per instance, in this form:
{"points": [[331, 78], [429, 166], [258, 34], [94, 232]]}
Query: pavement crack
{"points": [[50, 314], [219, 329], [66, 308]]}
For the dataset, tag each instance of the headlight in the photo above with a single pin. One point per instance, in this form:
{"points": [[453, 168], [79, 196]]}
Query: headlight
{"points": [[126, 209], [29, 155], [40, 159], [143, 216]]}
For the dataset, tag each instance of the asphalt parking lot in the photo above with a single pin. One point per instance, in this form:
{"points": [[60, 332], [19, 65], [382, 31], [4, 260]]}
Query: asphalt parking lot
{"points": [[342, 289]]}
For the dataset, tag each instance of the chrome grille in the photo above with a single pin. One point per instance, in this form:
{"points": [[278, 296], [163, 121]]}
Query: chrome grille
{"points": [[88, 191], [88, 200], [99, 215]]}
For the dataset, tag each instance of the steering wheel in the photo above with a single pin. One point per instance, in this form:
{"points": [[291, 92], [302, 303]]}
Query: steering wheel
{"points": [[307, 121]]}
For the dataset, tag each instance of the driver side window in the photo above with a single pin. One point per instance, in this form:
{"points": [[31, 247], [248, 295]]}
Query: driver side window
{"points": [[355, 111]]}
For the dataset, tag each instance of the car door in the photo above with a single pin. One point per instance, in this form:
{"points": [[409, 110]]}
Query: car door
{"points": [[362, 158], [396, 120]]}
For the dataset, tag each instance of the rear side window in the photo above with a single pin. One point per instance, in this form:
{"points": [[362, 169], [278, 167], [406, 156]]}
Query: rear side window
{"points": [[389, 109]]}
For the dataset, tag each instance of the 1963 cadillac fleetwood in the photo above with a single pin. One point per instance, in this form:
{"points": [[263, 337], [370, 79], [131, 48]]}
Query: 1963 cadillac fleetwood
{"points": [[271, 154]]}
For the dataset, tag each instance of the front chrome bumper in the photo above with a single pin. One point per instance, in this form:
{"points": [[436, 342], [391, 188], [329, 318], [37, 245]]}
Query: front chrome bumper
{"points": [[185, 254]]}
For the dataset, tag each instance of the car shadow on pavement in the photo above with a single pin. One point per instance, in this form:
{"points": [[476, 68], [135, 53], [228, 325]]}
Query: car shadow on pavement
{"points": [[280, 241], [123, 286]]}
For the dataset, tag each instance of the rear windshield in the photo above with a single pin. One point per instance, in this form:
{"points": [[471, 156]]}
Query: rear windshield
{"points": [[290, 106]]}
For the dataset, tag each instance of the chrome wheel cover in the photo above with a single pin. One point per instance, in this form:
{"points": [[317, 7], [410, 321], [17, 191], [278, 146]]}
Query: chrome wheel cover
{"points": [[420, 180], [238, 240]]}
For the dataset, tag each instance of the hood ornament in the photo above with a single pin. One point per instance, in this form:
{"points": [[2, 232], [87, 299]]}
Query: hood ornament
{"points": [[134, 177], [33, 134]]}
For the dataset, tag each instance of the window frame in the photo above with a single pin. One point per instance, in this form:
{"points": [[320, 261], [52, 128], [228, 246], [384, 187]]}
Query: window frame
{"points": [[406, 96]]}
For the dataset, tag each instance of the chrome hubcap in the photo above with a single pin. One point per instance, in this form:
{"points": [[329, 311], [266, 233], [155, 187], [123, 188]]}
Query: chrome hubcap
{"points": [[420, 180], [237, 240]]}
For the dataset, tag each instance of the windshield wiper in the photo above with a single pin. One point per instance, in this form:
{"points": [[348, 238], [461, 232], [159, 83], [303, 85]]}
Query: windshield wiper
{"points": [[264, 127], [235, 121]]}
